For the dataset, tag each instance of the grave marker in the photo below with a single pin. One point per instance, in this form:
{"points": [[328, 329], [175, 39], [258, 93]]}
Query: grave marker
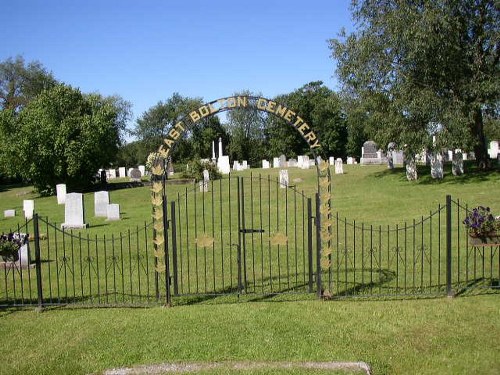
{"points": [[74, 212], [61, 193], [101, 201]]}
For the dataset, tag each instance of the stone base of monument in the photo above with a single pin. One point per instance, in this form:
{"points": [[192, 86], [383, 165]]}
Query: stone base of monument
{"points": [[74, 226], [373, 161]]}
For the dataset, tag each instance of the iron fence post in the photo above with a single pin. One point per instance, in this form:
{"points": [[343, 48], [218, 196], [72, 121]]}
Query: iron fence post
{"points": [[318, 246], [174, 246], [449, 290], [38, 261], [168, 296], [310, 218]]}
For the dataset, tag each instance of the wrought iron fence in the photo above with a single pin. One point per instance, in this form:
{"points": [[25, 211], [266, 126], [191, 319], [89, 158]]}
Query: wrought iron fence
{"points": [[247, 238]]}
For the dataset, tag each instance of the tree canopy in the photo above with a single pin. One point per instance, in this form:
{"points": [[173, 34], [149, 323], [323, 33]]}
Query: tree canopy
{"points": [[417, 68], [61, 136]]}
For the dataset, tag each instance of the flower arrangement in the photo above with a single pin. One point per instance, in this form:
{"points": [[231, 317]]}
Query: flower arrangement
{"points": [[480, 222], [9, 247]]}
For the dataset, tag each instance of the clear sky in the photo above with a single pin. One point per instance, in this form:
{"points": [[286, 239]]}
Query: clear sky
{"points": [[145, 50]]}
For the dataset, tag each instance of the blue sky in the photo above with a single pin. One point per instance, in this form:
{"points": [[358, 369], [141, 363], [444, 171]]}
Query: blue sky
{"points": [[146, 50]]}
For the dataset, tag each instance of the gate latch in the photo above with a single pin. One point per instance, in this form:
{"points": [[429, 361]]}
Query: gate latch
{"points": [[251, 230]]}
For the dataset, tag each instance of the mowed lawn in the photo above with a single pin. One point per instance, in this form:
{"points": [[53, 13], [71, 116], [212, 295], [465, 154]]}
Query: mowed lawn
{"points": [[425, 336]]}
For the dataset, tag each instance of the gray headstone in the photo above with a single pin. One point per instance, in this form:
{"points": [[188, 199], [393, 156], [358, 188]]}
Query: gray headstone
{"points": [[457, 163], [61, 193], [283, 161], [411, 168], [437, 166], [135, 175], [101, 201], [284, 181], [28, 208], [74, 211], [113, 212]]}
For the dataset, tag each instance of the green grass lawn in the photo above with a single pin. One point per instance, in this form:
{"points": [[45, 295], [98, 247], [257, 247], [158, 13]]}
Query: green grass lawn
{"points": [[426, 336]]}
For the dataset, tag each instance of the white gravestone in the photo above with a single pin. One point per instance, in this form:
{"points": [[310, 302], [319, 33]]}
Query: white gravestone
{"points": [[350, 160], [101, 201], [111, 173], [204, 183], [74, 212], [28, 208], [283, 163], [265, 164], [305, 162], [437, 166], [331, 161], [284, 181], [300, 161], [113, 212], [244, 165], [142, 168], [223, 164], [9, 213], [121, 172], [493, 150], [61, 193], [339, 167], [276, 162], [292, 163]]}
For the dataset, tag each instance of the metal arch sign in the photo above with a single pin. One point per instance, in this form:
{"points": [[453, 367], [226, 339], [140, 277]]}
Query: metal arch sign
{"points": [[234, 102]]}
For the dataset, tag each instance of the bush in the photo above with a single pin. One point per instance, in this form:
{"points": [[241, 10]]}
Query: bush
{"points": [[196, 167]]}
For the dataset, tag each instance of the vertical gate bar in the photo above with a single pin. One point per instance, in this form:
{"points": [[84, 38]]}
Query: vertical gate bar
{"points": [[73, 265], [64, 260], [457, 204], [261, 235], [354, 289], [310, 243], [188, 253], [295, 238], [148, 290], [305, 256], [48, 257], [89, 259], [138, 257], [38, 261], [371, 259], [448, 246], [18, 230], [414, 229], [114, 265], [242, 236], [318, 248], [98, 273], [253, 226], [286, 234], [204, 248], [168, 296], [130, 265], [173, 221], [430, 251], [196, 243], [221, 237], [123, 267], [230, 234], [362, 254], [406, 256], [379, 257], [397, 258], [439, 246], [213, 234], [277, 186], [240, 286], [422, 257], [338, 250], [180, 240], [81, 263], [269, 227]]}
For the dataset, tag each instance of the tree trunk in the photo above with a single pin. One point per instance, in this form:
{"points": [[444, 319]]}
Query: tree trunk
{"points": [[480, 147]]}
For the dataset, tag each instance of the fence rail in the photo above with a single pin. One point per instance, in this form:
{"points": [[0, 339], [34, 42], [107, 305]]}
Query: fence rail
{"points": [[429, 256]]}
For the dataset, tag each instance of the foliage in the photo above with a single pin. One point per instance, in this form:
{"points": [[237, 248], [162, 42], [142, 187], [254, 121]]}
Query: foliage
{"points": [[411, 64], [62, 136], [131, 154], [196, 167], [9, 247], [480, 221], [20, 82]]}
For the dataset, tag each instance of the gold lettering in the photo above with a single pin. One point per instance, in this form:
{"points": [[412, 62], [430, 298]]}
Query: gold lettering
{"points": [[261, 104], [315, 144], [270, 106], [204, 111], [231, 102], [163, 153], [288, 115], [174, 134], [310, 137], [303, 128], [194, 116], [298, 122], [242, 101], [179, 126], [168, 142], [280, 111]]}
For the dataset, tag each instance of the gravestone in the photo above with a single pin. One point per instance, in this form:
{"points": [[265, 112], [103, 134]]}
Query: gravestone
{"points": [[457, 163], [300, 161], [111, 173], [350, 160], [370, 154], [121, 172], [128, 171], [74, 212], [411, 168], [204, 182], [437, 166], [305, 162], [61, 193], [292, 163], [113, 212], [331, 161], [223, 164], [28, 208], [265, 164], [398, 157], [493, 149], [170, 167], [244, 165], [276, 162], [339, 168], [390, 155], [135, 175], [101, 202], [142, 168], [236, 165], [283, 161], [9, 213], [284, 181]]}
